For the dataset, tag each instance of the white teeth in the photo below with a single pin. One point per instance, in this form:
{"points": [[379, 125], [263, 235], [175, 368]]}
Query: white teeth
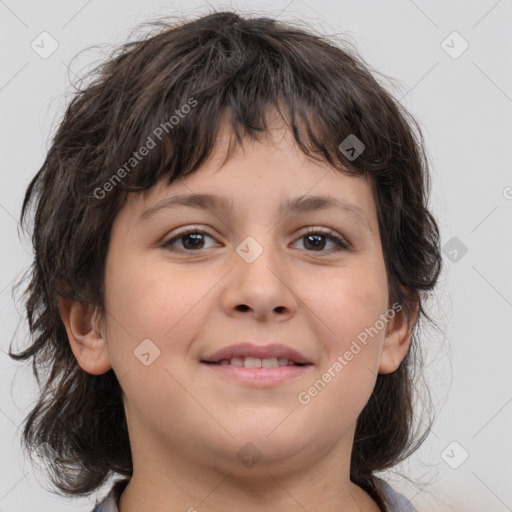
{"points": [[252, 362], [256, 362]]}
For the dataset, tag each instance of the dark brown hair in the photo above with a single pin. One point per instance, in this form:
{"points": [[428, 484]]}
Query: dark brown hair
{"points": [[221, 62]]}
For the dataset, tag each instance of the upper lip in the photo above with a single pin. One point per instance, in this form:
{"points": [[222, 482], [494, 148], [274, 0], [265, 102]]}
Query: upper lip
{"points": [[273, 350]]}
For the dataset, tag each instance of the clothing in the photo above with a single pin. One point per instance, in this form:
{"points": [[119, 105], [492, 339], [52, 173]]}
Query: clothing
{"points": [[395, 502]]}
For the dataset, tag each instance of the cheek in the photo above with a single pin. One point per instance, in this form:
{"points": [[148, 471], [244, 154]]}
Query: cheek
{"points": [[155, 302], [148, 302], [349, 310], [151, 299], [348, 303]]}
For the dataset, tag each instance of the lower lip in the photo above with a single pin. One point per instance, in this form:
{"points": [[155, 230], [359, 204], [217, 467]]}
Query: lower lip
{"points": [[258, 377]]}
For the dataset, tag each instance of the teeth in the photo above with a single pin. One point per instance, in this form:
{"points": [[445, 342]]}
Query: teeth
{"points": [[269, 363], [252, 362], [256, 362]]}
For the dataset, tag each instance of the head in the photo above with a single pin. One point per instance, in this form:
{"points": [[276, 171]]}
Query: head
{"points": [[256, 111]]}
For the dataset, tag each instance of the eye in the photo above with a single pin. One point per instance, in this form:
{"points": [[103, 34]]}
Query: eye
{"points": [[313, 239], [192, 239]]}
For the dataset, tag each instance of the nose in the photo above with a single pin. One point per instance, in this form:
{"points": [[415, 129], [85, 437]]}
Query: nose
{"points": [[260, 282]]}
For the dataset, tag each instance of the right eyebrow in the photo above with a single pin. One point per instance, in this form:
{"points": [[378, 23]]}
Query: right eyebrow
{"points": [[199, 201]]}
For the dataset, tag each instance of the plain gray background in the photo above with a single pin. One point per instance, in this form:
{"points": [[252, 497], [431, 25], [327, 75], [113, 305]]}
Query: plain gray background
{"points": [[463, 100]]}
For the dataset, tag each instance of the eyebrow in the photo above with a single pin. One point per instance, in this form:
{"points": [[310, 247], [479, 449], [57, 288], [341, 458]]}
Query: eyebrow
{"points": [[301, 204]]}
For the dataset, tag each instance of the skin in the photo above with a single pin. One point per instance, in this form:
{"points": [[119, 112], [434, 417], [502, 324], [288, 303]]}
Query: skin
{"points": [[185, 423]]}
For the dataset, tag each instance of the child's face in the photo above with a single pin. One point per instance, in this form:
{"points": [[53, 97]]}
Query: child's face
{"points": [[205, 295]]}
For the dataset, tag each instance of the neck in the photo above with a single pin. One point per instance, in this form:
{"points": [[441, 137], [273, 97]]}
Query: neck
{"points": [[194, 475], [215, 492]]}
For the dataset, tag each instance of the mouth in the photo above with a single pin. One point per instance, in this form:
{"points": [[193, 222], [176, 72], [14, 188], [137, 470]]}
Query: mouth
{"points": [[256, 362], [257, 365], [256, 355], [253, 375]]}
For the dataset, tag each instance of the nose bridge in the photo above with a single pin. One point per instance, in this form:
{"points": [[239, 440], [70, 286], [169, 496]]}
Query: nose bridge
{"points": [[260, 280], [258, 250]]}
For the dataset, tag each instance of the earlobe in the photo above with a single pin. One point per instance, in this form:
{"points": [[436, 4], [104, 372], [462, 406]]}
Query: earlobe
{"points": [[396, 343], [85, 336]]}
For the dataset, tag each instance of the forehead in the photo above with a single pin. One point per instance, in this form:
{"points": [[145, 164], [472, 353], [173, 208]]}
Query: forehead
{"points": [[263, 175]]}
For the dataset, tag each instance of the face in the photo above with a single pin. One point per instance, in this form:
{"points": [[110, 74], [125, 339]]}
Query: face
{"points": [[312, 279]]}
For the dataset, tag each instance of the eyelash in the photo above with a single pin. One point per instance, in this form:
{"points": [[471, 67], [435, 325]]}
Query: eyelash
{"points": [[341, 243]]}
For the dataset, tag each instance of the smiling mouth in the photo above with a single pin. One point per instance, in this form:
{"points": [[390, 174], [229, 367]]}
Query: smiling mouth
{"points": [[255, 372], [255, 362]]}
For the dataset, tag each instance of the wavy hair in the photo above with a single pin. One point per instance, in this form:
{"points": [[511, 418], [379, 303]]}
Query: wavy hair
{"points": [[217, 63]]}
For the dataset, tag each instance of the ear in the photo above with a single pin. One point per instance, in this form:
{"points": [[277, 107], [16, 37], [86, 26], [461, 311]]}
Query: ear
{"points": [[397, 341], [87, 341]]}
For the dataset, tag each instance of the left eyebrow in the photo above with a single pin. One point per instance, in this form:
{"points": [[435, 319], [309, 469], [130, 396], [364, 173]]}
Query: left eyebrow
{"points": [[300, 204], [306, 204]]}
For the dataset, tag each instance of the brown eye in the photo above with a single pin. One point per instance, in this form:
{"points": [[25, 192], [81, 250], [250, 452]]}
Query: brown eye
{"points": [[191, 240], [315, 240]]}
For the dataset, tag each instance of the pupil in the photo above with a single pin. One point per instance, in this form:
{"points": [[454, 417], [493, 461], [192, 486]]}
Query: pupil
{"points": [[309, 237], [195, 237]]}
